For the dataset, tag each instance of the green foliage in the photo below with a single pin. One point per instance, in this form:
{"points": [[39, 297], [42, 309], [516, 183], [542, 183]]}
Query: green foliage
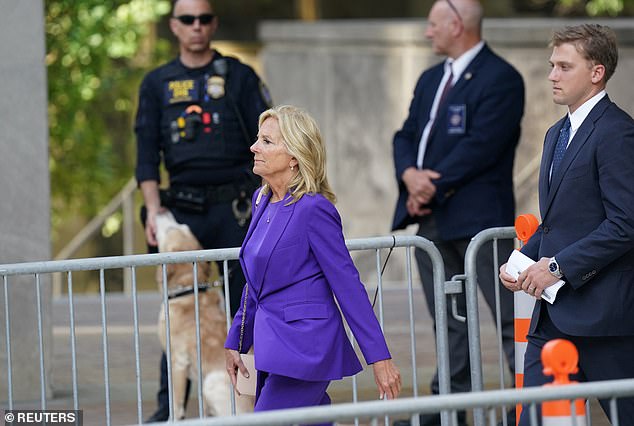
{"points": [[595, 7], [97, 52]]}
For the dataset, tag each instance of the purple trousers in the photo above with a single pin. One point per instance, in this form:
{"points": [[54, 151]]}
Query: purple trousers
{"points": [[274, 392]]}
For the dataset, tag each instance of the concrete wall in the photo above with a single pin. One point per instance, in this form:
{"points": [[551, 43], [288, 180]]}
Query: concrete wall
{"points": [[24, 190], [357, 79]]}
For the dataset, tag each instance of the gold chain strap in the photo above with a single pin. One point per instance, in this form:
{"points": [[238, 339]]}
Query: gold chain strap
{"points": [[244, 313]]}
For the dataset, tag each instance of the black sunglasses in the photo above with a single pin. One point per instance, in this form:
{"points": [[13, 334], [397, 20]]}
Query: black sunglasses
{"points": [[204, 19]]}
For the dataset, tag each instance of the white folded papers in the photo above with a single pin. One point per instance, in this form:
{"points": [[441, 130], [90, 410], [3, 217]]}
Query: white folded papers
{"points": [[518, 262]]}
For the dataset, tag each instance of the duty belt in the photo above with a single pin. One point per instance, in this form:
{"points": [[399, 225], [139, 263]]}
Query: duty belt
{"points": [[213, 194], [198, 198], [226, 193]]}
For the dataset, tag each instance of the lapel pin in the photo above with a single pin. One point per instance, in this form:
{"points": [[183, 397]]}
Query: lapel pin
{"points": [[468, 76]]}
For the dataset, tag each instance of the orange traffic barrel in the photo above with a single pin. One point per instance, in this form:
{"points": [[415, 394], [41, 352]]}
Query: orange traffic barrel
{"points": [[525, 227], [560, 359]]}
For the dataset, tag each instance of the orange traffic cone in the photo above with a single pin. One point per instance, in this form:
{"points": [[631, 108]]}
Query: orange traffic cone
{"points": [[560, 359], [525, 227]]}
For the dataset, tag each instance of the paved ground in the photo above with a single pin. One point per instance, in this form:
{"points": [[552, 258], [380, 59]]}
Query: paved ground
{"points": [[121, 361]]}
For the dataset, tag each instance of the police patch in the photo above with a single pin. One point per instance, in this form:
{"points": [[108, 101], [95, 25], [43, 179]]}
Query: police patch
{"points": [[216, 87], [181, 91], [266, 95]]}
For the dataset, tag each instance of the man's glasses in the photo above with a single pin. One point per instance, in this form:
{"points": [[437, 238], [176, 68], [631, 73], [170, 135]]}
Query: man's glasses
{"points": [[204, 19], [452, 7]]}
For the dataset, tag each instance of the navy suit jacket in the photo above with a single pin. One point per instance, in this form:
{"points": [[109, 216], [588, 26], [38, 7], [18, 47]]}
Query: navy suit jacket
{"points": [[587, 214], [476, 163]]}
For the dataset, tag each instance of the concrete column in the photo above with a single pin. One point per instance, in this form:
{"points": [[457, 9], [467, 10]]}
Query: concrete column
{"points": [[24, 194]]}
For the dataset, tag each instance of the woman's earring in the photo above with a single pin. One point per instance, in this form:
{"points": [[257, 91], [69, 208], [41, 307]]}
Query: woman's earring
{"points": [[292, 168]]}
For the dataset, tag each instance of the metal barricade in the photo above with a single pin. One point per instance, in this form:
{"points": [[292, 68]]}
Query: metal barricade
{"points": [[101, 264], [372, 411], [473, 317], [131, 263], [522, 303], [484, 404]]}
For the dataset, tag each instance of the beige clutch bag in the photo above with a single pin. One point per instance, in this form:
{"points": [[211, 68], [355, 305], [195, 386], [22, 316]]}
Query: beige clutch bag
{"points": [[243, 385]]}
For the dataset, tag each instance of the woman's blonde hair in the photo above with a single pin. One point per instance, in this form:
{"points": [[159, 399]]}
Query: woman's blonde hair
{"points": [[302, 139]]}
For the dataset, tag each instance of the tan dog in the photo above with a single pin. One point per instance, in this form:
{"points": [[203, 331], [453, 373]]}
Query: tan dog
{"points": [[173, 236]]}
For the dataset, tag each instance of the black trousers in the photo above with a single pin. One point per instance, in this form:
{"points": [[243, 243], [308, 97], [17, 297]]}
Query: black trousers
{"points": [[453, 254], [216, 228]]}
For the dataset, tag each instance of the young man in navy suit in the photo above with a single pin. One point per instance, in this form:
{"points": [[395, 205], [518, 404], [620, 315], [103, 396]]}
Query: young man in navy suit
{"points": [[586, 237], [454, 165]]}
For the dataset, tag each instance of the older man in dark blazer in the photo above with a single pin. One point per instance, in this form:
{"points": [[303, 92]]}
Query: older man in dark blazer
{"points": [[454, 162], [586, 238]]}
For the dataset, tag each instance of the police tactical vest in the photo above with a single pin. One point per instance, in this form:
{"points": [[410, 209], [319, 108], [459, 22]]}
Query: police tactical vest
{"points": [[200, 120]]}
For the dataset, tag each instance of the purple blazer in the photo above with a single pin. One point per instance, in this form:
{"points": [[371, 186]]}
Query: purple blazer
{"points": [[292, 320]]}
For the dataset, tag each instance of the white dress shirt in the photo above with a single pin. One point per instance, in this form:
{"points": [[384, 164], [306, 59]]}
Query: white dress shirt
{"points": [[577, 118]]}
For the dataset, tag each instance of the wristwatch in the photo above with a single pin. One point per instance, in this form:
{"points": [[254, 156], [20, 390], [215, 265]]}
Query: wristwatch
{"points": [[553, 268]]}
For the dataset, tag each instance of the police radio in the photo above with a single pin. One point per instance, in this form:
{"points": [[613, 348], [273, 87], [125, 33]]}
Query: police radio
{"points": [[188, 124], [221, 68]]}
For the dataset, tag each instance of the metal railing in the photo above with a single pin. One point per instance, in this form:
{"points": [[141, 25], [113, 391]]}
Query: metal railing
{"points": [[131, 263], [488, 401], [484, 404]]}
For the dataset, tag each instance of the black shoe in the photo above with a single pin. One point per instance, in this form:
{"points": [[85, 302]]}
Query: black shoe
{"points": [[160, 415]]}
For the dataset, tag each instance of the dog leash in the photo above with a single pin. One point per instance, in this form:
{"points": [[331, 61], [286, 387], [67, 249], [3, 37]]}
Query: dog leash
{"points": [[376, 292], [186, 290]]}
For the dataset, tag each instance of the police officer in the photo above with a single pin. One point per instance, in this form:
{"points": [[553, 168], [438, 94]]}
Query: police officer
{"points": [[199, 114]]}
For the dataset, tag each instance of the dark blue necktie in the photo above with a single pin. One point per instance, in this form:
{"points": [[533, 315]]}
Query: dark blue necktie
{"points": [[562, 144]]}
